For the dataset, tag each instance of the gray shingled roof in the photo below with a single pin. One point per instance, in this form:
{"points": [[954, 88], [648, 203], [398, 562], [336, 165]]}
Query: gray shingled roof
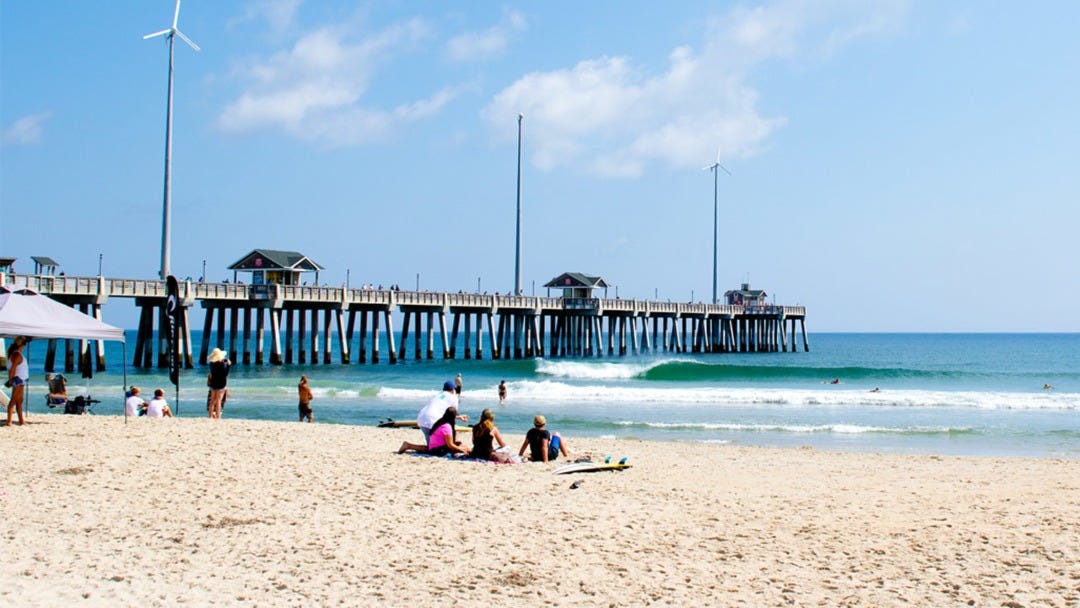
{"points": [[577, 279], [288, 260]]}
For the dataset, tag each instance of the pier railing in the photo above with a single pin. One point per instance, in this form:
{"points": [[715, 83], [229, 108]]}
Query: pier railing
{"points": [[102, 288]]}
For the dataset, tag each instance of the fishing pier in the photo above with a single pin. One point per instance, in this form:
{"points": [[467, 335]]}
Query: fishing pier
{"points": [[315, 325]]}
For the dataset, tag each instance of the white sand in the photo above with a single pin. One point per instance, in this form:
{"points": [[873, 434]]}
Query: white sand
{"points": [[200, 512]]}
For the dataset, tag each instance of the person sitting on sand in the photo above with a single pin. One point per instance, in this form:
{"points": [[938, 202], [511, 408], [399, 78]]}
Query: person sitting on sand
{"points": [[482, 436], [544, 446], [134, 404], [426, 417], [157, 408], [443, 440]]}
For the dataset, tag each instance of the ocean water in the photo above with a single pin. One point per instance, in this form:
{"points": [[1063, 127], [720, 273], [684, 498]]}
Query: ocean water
{"points": [[956, 394]]}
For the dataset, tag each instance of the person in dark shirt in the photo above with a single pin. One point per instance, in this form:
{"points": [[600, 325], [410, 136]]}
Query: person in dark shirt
{"points": [[543, 445]]}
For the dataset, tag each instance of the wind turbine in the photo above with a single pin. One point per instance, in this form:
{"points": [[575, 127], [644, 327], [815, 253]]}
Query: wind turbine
{"points": [[715, 168], [170, 34]]}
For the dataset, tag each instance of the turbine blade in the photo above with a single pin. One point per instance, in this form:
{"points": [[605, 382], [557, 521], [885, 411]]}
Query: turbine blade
{"points": [[161, 33], [176, 14], [725, 169], [187, 40]]}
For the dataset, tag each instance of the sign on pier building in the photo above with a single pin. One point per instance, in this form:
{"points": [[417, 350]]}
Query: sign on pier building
{"points": [[274, 267]]}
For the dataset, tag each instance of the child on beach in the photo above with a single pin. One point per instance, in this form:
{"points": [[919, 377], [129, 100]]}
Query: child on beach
{"points": [[544, 446], [157, 407]]}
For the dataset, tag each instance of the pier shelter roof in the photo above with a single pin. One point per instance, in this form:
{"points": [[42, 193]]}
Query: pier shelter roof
{"points": [[44, 265], [6, 264], [275, 266], [576, 284]]}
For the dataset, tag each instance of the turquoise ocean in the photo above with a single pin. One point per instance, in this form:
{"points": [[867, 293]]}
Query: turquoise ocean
{"points": [[947, 394]]}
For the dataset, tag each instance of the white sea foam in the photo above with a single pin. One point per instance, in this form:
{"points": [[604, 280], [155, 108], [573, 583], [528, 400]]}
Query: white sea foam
{"points": [[553, 392], [794, 428], [600, 370]]}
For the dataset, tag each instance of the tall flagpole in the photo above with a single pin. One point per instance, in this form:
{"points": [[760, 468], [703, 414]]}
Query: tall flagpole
{"points": [[517, 240]]}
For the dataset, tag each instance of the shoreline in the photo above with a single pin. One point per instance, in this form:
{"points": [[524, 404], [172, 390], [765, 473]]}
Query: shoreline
{"points": [[245, 512]]}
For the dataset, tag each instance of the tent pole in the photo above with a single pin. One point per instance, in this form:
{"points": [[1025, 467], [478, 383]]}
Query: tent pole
{"points": [[124, 392]]}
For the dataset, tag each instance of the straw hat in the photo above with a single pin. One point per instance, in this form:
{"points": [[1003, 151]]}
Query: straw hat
{"points": [[216, 355]]}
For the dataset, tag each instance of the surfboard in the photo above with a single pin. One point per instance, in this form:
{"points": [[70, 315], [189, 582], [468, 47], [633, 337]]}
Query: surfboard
{"points": [[398, 424], [589, 467]]}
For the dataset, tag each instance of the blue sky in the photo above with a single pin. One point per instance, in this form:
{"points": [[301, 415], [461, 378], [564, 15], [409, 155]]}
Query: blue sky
{"points": [[897, 166]]}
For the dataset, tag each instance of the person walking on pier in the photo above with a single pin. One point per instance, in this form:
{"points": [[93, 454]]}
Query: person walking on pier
{"points": [[18, 376], [305, 398], [219, 376]]}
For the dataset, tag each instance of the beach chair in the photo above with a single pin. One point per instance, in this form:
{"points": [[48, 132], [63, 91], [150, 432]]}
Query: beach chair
{"points": [[57, 396]]}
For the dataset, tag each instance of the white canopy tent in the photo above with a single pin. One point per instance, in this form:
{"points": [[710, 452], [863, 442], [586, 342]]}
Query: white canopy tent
{"points": [[28, 313]]}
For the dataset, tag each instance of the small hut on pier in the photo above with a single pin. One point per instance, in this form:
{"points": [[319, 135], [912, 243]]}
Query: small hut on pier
{"points": [[746, 296], [44, 265], [576, 285], [7, 265], [274, 267]]}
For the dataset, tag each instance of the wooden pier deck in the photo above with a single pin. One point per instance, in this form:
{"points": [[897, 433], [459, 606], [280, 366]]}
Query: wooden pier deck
{"points": [[303, 321]]}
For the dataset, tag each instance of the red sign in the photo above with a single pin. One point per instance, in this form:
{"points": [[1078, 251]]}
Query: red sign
{"points": [[258, 262]]}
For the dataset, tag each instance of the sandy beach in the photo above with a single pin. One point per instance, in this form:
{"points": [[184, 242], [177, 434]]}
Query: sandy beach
{"points": [[248, 513]]}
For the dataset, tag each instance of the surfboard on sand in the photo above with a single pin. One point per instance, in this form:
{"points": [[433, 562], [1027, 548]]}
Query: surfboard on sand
{"points": [[398, 424], [589, 467]]}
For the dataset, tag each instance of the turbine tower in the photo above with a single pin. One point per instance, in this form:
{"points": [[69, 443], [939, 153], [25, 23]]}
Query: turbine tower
{"points": [[715, 168], [166, 221]]}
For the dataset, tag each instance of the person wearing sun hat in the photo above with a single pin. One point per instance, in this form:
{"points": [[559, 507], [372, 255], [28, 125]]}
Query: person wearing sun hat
{"points": [[219, 376]]}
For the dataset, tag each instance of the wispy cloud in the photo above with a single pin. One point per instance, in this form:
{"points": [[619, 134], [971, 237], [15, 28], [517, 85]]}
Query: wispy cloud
{"points": [[279, 15], [614, 118], [487, 43], [315, 90], [26, 130]]}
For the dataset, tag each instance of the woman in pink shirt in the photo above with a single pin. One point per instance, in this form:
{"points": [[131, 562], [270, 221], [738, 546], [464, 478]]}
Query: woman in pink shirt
{"points": [[443, 441]]}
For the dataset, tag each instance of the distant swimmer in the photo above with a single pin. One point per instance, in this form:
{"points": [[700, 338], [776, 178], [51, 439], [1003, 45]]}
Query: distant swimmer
{"points": [[1048, 387], [875, 390], [834, 381]]}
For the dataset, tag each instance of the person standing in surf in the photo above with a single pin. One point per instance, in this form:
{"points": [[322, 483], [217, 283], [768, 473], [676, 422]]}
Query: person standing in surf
{"points": [[457, 386], [219, 378], [305, 396], [502, 392]]}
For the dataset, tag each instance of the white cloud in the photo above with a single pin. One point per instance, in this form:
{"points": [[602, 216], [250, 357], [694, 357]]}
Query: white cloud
{"points": [[485, 44], [615, 118], [280, 15], [26, 130], [315, 90]]}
